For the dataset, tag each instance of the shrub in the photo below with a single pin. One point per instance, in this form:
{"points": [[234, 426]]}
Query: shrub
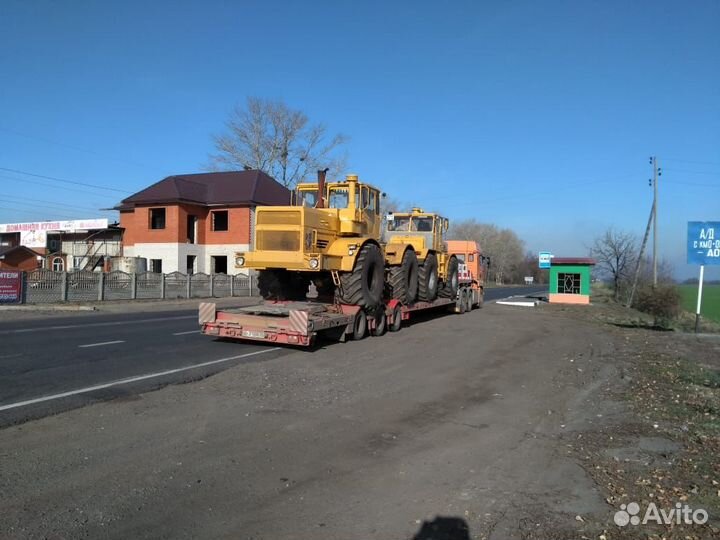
{"points": [[662, 302]]}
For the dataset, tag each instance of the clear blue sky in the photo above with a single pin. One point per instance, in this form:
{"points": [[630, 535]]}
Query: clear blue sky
{"points": [[539, 116]]}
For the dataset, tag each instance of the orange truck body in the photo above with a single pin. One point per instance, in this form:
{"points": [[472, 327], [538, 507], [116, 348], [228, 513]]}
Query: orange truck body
{"points": [[469, 253]]}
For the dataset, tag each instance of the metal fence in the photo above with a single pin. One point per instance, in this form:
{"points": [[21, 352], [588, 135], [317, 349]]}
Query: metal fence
{"points": [[46, 286]]}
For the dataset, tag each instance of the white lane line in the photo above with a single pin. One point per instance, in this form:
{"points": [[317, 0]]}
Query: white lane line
{"points": [[130, 380], [188, 332], [88, 325], [101, 343]]}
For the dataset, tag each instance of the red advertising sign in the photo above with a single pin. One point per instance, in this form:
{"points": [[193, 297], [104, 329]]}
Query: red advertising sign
{"points": [[11, 287]]}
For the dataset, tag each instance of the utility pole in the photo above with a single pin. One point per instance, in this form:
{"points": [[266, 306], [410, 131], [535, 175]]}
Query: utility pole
{"points": [[656, 173]]}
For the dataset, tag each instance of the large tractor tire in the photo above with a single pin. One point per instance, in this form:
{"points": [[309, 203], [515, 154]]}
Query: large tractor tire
{"points": [[403, 279], [279, 284], [428, 279], [449, 288], [365, 284]]}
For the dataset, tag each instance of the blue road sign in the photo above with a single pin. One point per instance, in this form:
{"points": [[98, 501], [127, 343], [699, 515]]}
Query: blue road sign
{"points": [[544, 259], [703, 246]]}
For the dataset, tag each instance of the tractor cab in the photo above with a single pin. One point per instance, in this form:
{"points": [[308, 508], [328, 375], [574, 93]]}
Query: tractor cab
{"points": [[427, 227]]}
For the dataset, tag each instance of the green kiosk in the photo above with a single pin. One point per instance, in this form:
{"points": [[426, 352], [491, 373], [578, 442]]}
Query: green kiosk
{"points": [[569, 280]]}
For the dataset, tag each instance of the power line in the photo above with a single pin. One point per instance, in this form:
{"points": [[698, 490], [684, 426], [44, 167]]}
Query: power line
{"points": [[24, 211], [53, 203], [55, 179], [71, 147], [25, 180], [692, 172], [692, 183], [35, 205], [692, 161]]}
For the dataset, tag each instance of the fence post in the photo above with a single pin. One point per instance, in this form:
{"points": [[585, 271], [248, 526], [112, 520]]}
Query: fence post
{"points": [[212, 285], [64, 287], [232, 285], [188, 284], [101, 286], [162, 286], [133, 286], [250, 280]]}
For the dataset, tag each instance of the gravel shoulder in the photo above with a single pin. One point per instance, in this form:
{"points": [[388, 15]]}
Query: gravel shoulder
{"points": [[472, 417]]}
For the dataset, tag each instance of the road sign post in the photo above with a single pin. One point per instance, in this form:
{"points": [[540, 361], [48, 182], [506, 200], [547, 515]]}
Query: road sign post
{"points": [[544, 259], [703, 248]]}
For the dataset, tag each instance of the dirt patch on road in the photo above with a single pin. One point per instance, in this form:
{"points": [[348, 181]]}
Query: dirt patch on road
{"points": [[501, 423]]}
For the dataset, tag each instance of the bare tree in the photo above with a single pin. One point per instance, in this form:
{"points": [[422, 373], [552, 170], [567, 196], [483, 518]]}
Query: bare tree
{"points": [[503, 246], [616, 254], [272, 137]]}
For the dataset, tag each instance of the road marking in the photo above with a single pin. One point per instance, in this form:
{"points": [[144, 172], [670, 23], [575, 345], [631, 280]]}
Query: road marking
{"points": [[101, 343], [112, 323], [188, 332], [130, 380]]}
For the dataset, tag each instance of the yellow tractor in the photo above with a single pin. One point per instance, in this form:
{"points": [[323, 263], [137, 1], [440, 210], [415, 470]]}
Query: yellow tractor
{"points": [[329, 235], [420, 265]]}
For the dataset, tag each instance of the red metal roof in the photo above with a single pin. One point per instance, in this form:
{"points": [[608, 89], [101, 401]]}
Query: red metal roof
{"points": [[572, 260], [216, 188]]}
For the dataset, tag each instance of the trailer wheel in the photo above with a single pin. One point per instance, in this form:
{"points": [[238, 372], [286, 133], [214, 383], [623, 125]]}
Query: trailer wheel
{"points": [[396, 319], [359, 325], [428, 278], [380, 323], [365, 284]]}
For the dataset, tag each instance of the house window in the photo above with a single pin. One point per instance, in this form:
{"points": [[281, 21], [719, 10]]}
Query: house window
{"points": [[191, 229], [58, 264], [156, 266], [190, 264], [568, 283], [157, 218], [219, 264], [220, 220]]}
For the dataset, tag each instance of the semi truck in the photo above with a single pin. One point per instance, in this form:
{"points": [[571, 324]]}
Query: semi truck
{"points": [[367, 274]]}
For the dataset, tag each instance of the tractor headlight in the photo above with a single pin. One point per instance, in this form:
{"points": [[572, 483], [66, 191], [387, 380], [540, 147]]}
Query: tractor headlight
{"points": [[239, 260], [314, 263]]}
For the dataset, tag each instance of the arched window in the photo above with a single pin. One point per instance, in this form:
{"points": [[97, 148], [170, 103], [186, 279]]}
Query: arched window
{"points": [[58, 265]]}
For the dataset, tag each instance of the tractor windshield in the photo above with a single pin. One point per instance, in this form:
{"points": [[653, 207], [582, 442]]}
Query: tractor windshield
{"points": [[422, 224], [399, 223], [308, 198], [339, 198]]}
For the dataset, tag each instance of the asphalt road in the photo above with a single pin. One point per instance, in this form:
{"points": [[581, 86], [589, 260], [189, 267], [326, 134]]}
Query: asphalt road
{"points": [[58, 363]]}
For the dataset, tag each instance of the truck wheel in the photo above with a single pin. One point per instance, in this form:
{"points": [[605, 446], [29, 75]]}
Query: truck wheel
{"points": [[462, 301], [428, 279], [469, 295], [364, 285], [380, 322], [481, 297], [359, 325], [396, 323], [403, 279], [450, 287]]}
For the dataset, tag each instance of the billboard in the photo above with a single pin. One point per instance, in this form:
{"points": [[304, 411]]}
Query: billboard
{"points": [[67, 225], [33, 239], [11, 282]]}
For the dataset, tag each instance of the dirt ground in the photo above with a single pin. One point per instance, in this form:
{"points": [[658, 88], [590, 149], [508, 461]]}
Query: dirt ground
{"points": [[501, 423]]}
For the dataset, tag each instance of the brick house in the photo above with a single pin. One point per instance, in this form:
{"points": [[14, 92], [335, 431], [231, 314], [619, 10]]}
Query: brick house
{"points": [[19, 258], [196, 222]]}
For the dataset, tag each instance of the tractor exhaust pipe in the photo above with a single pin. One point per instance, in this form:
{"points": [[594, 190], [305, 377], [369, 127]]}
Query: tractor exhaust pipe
{"points": [[321, 188]]}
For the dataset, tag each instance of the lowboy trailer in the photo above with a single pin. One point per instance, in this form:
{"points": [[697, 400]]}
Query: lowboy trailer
{"points": [[300, 323]]}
